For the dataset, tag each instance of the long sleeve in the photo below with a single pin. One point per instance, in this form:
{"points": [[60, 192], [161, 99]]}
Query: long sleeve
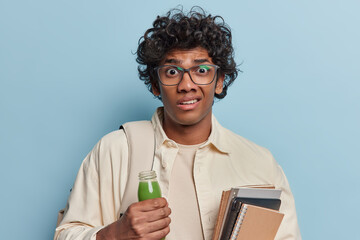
{"points": [[95, 199], [289, 229]]}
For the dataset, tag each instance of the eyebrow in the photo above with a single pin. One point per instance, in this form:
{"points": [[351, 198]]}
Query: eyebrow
{"points": [[177, 61], [172, 60], [201, 60]]}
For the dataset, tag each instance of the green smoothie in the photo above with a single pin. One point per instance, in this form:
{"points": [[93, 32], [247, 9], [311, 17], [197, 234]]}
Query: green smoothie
{"points": [[148, 190], [149, 187]]}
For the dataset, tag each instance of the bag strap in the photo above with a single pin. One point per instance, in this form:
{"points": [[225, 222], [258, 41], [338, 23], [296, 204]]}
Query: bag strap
{"points": [[141, 149]]}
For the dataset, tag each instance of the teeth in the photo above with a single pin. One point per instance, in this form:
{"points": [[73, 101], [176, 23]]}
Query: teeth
{"points": [[189, 102]]}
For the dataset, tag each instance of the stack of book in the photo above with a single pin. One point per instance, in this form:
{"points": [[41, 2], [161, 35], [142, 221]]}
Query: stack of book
{"points": [[249, 213]]}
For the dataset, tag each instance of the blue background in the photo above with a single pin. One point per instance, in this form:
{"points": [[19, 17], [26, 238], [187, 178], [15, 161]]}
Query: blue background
{"points": [[68, 76]]}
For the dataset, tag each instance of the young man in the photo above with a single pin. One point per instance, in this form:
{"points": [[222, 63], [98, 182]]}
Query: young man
{"points": [[186, 60]]}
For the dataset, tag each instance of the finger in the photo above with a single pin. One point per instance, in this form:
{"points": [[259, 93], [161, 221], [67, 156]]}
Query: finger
{"points": [[151, 204], [158, 234], [157, 214], [154, 230], [158, 225], [136, 215], [141, 230], [140, 218]]}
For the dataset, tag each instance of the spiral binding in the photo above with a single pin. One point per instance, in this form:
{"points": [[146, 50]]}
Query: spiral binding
{"points": [[238, 223]]}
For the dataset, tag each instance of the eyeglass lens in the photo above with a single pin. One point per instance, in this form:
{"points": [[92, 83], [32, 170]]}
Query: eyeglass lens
{"points": [[200, 74]]}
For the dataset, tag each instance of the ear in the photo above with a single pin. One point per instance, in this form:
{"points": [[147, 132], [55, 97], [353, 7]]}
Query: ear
{"points": [[219, 84], [155, 89]]}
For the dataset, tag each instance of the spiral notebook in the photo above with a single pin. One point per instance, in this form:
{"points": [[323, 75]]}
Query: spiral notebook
{"points": [[235, 208], [254, 223]]}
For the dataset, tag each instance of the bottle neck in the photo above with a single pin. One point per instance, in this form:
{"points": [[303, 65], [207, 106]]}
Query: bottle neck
{"points": [[147, 176]]}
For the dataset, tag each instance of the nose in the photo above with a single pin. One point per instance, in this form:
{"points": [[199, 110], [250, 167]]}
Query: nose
{"points": [[186, 84]]}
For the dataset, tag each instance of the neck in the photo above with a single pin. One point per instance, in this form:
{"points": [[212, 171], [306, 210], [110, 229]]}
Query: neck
{"points": [[188, 134]]}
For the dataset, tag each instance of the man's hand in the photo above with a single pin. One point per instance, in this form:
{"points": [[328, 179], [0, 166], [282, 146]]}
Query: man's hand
{"points": [[147, 219]]}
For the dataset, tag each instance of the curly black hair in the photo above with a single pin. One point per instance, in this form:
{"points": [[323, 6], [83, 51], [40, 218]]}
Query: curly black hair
{"points": [[179, 30]]}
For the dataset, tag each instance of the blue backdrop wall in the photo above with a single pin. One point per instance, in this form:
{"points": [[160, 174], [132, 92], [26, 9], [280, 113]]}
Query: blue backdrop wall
{"points": [[68, 76]]}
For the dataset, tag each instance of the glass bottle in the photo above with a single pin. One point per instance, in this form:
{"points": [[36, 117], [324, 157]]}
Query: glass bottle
{"points": [[148, 186]]}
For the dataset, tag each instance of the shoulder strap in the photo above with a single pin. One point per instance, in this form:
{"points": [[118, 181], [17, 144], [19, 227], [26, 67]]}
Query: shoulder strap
{"points": [[141, 144]]}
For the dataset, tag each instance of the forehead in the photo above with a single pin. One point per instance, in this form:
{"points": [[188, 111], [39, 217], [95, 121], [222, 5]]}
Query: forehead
{"points": [[193, 55]]}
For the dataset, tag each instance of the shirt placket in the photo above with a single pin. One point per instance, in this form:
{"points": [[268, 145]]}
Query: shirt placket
{"points": [[163, 163], [204, 191]]}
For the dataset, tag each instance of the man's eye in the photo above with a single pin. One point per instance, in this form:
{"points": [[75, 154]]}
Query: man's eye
{"points": [[203, 69], [172, 72]]}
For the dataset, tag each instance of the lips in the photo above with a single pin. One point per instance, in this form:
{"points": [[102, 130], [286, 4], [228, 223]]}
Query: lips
{"points": [[189, 102]]}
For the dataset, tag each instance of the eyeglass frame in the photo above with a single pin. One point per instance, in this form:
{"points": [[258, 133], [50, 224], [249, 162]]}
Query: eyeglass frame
{"points": [[184, 70]]}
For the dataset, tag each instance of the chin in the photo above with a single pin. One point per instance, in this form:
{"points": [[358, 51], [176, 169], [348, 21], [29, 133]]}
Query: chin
{"points": [[190, 119]]}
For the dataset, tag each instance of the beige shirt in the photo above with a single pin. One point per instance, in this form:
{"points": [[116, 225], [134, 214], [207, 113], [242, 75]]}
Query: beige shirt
{"points": [[224, 161]]}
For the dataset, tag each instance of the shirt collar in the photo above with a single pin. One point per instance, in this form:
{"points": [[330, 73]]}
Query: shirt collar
{"points": [[160, 135], [217, 136]]}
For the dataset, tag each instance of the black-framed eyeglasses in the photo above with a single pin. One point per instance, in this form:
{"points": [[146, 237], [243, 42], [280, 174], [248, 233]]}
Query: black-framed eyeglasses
{"points": [[171, 75]]}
